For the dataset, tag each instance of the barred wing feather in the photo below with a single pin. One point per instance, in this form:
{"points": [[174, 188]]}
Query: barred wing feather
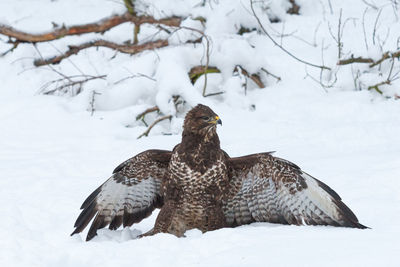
{"points": [[269, 189], [128, 196]]}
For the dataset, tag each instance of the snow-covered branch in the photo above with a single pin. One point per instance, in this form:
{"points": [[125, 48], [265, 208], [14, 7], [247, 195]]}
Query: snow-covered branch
{"points": [[96, 27]]}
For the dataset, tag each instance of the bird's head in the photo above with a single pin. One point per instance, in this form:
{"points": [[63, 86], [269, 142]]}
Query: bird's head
{"points": [[201, 120]]}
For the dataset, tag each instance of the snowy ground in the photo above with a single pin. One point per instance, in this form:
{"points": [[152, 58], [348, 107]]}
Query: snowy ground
{"points": [[53, 154]]}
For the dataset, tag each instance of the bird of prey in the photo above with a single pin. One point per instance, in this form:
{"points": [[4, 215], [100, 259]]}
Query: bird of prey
{"points": [[198, 185]]}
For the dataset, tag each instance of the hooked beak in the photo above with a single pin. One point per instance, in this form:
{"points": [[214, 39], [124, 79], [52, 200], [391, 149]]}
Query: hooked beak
{"points": [[216, 120]]}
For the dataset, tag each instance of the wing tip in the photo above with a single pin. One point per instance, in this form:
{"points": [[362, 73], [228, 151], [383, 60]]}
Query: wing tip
{"points": [[92, 197], [357, 225]]}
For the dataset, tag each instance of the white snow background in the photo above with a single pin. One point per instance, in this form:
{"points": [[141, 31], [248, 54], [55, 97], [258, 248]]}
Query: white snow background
{"points": [[53, 153]]}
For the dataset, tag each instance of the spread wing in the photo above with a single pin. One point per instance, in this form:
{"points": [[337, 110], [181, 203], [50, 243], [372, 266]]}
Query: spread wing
{"points": [[269, 189], [128, 196]]}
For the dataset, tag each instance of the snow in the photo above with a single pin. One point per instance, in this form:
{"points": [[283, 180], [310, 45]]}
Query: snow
{"points": [[53, 153]]}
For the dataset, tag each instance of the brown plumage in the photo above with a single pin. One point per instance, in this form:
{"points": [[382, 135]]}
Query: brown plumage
{"points": [[198, 185]]}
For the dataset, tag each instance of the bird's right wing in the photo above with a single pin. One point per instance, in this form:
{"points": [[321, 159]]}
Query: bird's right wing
{"points": [[128, 196], [271, 189]]}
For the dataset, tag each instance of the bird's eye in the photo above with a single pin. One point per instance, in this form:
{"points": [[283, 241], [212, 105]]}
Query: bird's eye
{"points": [[205, 118]]}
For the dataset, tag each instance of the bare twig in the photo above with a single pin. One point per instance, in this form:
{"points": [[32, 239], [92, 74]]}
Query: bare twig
{"points": [[207, 56], [315, 34], [214, 94], [198, 71], [363, 26], [137, 75], [96, 27], [127, 48], [15, 45], [356, 78], [385, 56], [375, 25], [376, 86], [92, 102], [278, 79], [68, 82], [281, 47], [146, 133], [371, 5], [388, 80], [51, 67], [254, 77], [339, 40], [147, 111]]}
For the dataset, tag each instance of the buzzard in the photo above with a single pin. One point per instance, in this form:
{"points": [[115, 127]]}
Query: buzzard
{"points": [[198, 185]]}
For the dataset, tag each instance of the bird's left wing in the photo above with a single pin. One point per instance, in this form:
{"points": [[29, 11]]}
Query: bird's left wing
{"points": [[128, 196], [269, 189]]}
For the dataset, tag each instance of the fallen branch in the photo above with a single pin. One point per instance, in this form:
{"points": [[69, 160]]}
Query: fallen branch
{"points": [[96, 27], [146, 133], [127, 48], [385, 56], [352, 60]]}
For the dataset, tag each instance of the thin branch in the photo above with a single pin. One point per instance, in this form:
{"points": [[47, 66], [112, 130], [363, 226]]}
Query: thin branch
{"points": [[371, 5], [214, 94], [92, 102], [207, 56], [70, 84], [146, 133], [278, 79], [339, 37], [49, 66], [375, 26], [147, 111], [352, 60], [376, 86], [96, 27], [281, 47], [137, 75], [386, 55], [363, 26], [128, 49], [388, 81], [15, 45]]}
